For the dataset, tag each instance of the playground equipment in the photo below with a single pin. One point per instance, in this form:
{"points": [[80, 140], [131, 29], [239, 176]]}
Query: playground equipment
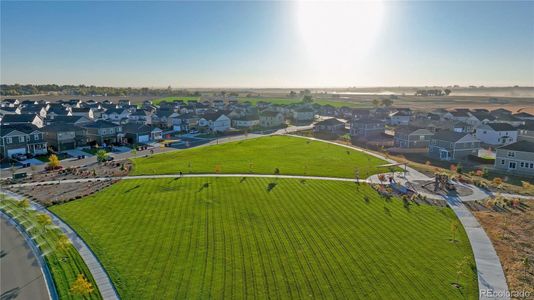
{"points": [[442, 182]]}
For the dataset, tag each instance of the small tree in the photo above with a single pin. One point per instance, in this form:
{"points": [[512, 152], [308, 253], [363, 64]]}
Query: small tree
{"points": [[63, 242], [44, 219], [24, 203], [101, 155], [81, 286], [454, 229], [497, 181], [53, 161]]}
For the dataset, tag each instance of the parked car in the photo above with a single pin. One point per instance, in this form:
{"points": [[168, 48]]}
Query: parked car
{"points": [[19, 157]]}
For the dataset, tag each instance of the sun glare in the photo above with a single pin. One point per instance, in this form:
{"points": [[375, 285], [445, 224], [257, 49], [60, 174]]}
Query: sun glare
{"points": [[338, 34]]}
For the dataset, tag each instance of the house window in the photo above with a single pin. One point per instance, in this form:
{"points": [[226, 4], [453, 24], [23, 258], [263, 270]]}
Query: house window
{"points": [[512, 165], [36, 136], [522, 164], [511, 154], [9, 140], [532, 165], [21, 139], [502, 161]]}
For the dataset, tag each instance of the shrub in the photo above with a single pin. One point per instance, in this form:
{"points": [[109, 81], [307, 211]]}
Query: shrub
{"points": [[497, 181]]}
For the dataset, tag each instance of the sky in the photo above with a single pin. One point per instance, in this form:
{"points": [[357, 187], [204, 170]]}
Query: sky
{"points": [[267, 44]]}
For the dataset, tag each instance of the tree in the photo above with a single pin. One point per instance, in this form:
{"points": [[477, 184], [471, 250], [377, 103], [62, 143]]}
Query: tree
{"points": [[460, 268], [81, 286], [101, 155], [376, 102], [63, 242], [24, 203], [307, 99], [454, 229], [44, 219], [387, 102], [53, 161], [447, 92]]}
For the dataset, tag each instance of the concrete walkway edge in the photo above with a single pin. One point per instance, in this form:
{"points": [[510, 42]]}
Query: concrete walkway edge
{"points": [[50, 286], [101, 277]]}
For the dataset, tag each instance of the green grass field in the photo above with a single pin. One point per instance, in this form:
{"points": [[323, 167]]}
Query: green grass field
{"points": [[199, 238], [64, 263], [170, 99], [291, 155], [285, 101]]}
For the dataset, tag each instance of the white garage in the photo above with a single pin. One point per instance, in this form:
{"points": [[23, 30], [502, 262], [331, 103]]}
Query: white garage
{"points": [[143, 139], [10, 152]]}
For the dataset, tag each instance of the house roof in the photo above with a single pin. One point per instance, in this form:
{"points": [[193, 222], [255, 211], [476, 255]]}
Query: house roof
{"points": [[303, 109], [100, 124], [449, 136], [481, 115], [115, 110], [54, 127], [24, 128], [501, 126], [213, 116], [413, 130], [400, 113], [523, 115], [330, 122], [15, 118], [68, 119], [461, 113], [136, 128], [250, 117], [81, 109], [523, 146], [269, 113]]}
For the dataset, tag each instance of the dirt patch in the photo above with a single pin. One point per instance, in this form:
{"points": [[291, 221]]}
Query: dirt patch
{"points": [[510, 225]]}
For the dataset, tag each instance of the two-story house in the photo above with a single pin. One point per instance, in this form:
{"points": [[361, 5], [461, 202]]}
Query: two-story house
{"points": [[453, 146], [63, 136], [496, 133], [23, 119], [21, 139], [271, 119], [246, 121], [216, 122], [303, 114], [412, 137], [400, 118], [116, 115], [366, 128], [136, 133], [103, 133], [331, 125], [83, 112], [526, 132], [517, 158]]}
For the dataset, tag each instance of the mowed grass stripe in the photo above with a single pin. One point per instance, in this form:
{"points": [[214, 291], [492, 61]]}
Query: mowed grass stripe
{"points": [[291, 155], [235, 239]]}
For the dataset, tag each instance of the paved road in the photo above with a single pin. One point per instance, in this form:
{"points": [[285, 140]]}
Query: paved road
{"points": [[20, 274]]}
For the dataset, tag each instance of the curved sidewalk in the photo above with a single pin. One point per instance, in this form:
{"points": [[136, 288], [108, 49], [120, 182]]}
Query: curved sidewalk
{"points": [[102, 280]]}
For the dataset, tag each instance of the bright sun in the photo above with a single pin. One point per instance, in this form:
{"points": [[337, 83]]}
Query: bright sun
{"points": [[338, 34]]}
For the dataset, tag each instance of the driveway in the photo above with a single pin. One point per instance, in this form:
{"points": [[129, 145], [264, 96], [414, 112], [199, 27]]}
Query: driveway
{"points": [[20, 274]]}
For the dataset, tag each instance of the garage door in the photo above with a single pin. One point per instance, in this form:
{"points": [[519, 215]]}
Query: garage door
{"points": [[10, 152], [143, 138]]}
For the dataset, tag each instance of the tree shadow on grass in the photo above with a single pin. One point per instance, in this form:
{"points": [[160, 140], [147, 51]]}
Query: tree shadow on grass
{"points": [[131, 189], [271, 186], [204, 186], [242, 179]]}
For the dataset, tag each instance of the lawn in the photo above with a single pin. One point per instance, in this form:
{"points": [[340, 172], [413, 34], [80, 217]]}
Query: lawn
{"points": [[198, 238], [64, 262], [291, 155], [170, 99]]}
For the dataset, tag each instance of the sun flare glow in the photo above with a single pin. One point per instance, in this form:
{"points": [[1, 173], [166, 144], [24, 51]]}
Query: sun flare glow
{"points": [[338, 34]]}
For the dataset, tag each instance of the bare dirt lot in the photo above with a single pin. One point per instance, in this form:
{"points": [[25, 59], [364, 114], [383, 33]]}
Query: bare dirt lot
{"points": [[510, 226]]}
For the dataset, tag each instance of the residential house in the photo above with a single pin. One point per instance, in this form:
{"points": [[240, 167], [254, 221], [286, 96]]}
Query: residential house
{"points": [[463, 127], [271, 119], [246, 121], [399, 118], [83, 112], [34, 110], [331, 125], [366, 128], [216, 122], [63, 136], [526, 132], [524, 116], [303, 114], [141, 133], [23, 119], [189, 122], [21, 139], [140, 116], [58, 110], [412, 137], [123, 103], [516, 158], [496, 133], [10, 103], [501, 112], [8, 110], [510, 119], [327, 110], [73, 120], [361, 113], [103, 132], [116, 115], [453, 146]]}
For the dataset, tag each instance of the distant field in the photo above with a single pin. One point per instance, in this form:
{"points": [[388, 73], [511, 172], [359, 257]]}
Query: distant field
{"points": [[291, 155], [275, 100], [199, 238], [170, 99]]}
